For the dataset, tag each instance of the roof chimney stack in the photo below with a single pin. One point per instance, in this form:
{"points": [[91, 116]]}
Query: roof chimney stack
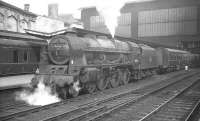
{"points": [[53, 10], [26, 7]]}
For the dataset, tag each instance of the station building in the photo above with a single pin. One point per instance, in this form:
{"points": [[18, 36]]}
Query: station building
{"points": [[172, 23], [15, 19]]}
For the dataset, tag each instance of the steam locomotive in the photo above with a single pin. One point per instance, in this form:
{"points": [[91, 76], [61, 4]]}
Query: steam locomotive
{"points": [[95, 62]]}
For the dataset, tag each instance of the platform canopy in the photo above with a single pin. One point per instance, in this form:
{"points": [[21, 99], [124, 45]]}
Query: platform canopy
{"points": [[8, 38]]}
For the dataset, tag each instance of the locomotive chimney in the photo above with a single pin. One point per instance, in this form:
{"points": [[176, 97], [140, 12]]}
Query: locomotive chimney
{"points": [[53, 10], [26, 7]]}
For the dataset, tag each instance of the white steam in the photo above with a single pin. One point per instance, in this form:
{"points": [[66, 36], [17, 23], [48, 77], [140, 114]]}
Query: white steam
{"points": [[76, 86], [110, 10], [41, 96]]}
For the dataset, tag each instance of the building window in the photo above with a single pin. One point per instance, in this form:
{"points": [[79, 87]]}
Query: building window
{"points": [[23, 25], [12, 24], [124, 19], [98, 21]]}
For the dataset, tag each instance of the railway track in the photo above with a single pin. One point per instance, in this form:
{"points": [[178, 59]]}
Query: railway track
{"points": [[15, 111], [61, 111], [195, 113], [7, 97], [11, 108], [141, 110], [179, 108], [101, 111]]}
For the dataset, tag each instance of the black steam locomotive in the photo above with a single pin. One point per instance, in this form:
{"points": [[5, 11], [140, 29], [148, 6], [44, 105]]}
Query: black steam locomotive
{"points": [[94, 61]]}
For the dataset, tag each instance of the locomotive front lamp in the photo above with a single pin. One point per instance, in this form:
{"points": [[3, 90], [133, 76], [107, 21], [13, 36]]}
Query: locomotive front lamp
{"points": [[136, 60], [186, 68], [72, 61], [37, 71]]}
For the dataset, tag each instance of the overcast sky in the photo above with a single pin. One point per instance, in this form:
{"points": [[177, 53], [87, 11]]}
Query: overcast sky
{"points": [[65, 6]]}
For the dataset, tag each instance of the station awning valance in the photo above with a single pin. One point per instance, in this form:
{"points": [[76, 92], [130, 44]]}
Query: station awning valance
{"points": [[12, 42]]}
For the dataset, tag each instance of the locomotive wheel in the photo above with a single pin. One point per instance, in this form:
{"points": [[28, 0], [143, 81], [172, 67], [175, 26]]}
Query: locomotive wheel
{"points": [[139, 75], [126, 77], [154, 72], [114, 81], [62, 93], [91, 87], [102, 83], [53, 88], [120, 77], [143, 75], [73, 92], [84, 78], [150, 72]]}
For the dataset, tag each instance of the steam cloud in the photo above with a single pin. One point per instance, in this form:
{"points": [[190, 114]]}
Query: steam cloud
{"points": [[76, 86], [41, 96], [110, 10]]}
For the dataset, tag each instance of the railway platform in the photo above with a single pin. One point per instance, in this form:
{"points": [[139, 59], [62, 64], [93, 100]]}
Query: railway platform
{"points": [[18, 81], [15, 81]]}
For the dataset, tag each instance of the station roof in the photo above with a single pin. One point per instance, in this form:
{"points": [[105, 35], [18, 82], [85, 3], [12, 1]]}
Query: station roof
{"points": [[47, 35], [14, 42], [175, 50]]}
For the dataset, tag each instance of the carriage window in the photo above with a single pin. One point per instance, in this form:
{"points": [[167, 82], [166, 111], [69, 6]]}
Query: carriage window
{"points": [[15, 56], [25, 56], [38, 57]]}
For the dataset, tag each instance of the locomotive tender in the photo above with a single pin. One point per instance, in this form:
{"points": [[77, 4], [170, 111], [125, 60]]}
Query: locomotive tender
{"points": [[95, 62]]}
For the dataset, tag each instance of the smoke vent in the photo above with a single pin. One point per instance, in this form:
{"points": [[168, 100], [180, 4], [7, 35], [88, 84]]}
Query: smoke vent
{"points": [[53, 10], [26, 7]]}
